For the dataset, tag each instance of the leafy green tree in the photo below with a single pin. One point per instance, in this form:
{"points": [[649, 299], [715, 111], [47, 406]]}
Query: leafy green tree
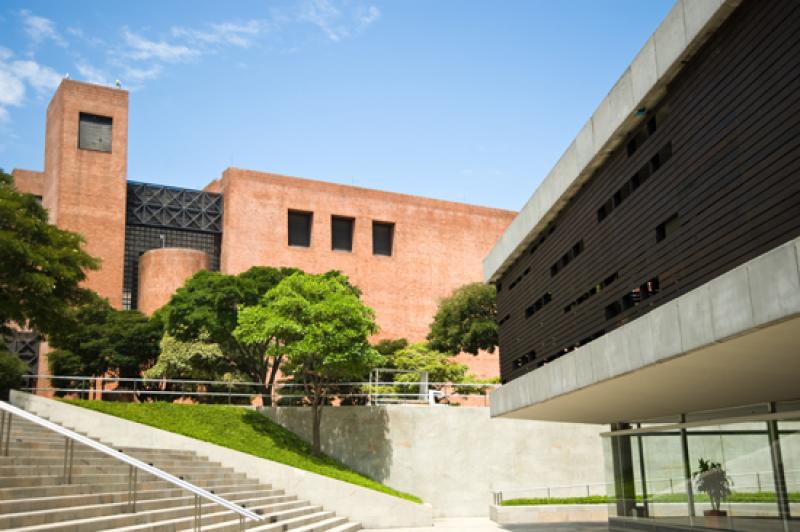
{"points": [[105, 339], [466, 321], [388, 347], [323, 329], [197, 359], [207, 307], [12, 368], [422, 358], [42, 266]]}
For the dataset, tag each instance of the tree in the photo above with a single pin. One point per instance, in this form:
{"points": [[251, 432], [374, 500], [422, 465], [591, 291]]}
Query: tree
{"points": [[422, 358], [197, 359], [101, 339], [388, 347], [323, 329], [207, 307], [12, 368], [42, 266], [466, 321]]}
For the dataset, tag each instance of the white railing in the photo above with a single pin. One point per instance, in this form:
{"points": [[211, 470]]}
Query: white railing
{"points": [[371, 392], [136, 465]]}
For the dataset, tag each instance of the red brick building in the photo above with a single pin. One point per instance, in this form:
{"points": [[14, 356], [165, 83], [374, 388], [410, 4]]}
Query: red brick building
{"points": [[404, 252]]}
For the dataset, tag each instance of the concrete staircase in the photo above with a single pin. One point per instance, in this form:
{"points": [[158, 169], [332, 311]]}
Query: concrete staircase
{"points": [[35, 496]]}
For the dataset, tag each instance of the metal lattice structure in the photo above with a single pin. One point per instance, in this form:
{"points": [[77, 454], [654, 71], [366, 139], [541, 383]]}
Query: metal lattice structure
{"points": [[159, 216], [24, 344], [175, 208]]}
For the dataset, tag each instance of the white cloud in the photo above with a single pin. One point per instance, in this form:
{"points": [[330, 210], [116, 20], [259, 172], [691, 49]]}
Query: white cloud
{"points": [[338, 22], [17, 76], [12, 89], [142, 49], [231, 33], [135, 75], [92, 74], [368, 15], [40, 29]]}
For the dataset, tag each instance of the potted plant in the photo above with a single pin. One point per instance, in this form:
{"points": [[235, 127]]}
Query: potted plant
{"points": [[711, 479]]}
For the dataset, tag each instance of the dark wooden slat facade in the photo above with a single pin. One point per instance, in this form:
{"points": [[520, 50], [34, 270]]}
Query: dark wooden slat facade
{"points": [[733, 180]]}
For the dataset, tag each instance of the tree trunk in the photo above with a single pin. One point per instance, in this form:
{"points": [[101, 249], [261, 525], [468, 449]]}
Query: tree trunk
{"points": [[316, 407], [276, 363]]}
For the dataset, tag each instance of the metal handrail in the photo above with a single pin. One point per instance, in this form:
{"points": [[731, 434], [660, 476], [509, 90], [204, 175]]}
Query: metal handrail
{"points": [[122, 457], [375, 392], [245, 383]]}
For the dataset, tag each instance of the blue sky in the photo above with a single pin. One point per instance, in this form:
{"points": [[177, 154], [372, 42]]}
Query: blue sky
{"points": [[469, 101]]}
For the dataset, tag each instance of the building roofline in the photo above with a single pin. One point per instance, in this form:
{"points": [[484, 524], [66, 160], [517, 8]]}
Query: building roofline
{"points": [[367, 192], [685, 28]]}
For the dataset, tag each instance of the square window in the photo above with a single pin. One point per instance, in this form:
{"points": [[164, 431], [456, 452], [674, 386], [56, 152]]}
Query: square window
{"points": [[300, 228], [342, 233], [382, 238], [94, 132]]}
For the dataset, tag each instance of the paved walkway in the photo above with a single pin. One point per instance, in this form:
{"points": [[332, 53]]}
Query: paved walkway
{"points": [[486, 525]]}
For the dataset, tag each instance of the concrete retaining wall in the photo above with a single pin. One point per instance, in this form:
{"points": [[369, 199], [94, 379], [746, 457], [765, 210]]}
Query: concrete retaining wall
{"points": [[549, 513], [373, 509], [453, 457]]}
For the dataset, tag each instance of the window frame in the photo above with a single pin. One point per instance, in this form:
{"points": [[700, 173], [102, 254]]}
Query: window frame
{"points": [[391, 226], [93, 117], [310, 216], [348, 219]]}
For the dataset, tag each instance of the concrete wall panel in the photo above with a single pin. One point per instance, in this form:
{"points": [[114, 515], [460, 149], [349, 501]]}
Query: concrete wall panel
{"points": [[454, 457]]}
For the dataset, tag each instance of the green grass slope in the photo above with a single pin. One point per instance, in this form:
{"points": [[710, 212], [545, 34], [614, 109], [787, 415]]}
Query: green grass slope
{"points": [[241, 429]]}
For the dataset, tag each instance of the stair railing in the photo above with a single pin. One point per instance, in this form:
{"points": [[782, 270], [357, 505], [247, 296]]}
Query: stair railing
{"points": [[7, 411]]}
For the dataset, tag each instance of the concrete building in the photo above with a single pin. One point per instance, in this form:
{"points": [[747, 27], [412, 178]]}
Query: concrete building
{"points": [[651, 282], [404, 252]]}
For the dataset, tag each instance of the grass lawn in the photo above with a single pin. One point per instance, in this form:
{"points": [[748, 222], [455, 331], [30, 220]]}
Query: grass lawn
{"points": [[677, 497], [241, 429]]}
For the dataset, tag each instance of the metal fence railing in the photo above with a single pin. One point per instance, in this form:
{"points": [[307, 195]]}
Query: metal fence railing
{"points": [[748, 482], [243, 392]]}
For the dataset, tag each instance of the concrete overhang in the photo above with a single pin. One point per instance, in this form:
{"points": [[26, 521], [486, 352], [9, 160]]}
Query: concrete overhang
{"points": [[685, 28], [732, 341]]}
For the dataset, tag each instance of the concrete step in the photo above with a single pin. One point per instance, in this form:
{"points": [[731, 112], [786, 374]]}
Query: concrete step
{"points": [[30, 518], [100, 461], [290, 524], [95, 477], [321, 526], [281, 520], [114, 467], [34, 497], [346, 527], [87, 499], [73, 489], [58, 445], [166, 519]]}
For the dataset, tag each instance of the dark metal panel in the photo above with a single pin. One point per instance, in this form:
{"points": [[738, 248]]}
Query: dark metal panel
{"points": [[94, 132], [172, 207], [159, 216], [24, 344], [342, 233], [728, 193], [382, 238], [300, 228]]}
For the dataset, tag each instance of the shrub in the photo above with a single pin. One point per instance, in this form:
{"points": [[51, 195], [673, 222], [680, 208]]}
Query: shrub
{"points": [[11, 371]]}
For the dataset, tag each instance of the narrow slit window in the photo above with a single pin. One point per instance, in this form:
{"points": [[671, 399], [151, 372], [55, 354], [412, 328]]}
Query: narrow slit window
{"points": [[342, 233], [382, 238], [300, 228], [667, 228]]}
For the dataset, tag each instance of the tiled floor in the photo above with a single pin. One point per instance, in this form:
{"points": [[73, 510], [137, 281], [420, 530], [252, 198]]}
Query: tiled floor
{"points": [[485, 525]]}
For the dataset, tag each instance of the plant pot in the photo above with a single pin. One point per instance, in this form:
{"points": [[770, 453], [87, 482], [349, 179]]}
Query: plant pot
{"points": [[715, 513]]}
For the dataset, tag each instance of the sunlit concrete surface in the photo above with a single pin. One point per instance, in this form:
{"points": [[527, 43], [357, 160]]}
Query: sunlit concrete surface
{"points": [[485, 525]]}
